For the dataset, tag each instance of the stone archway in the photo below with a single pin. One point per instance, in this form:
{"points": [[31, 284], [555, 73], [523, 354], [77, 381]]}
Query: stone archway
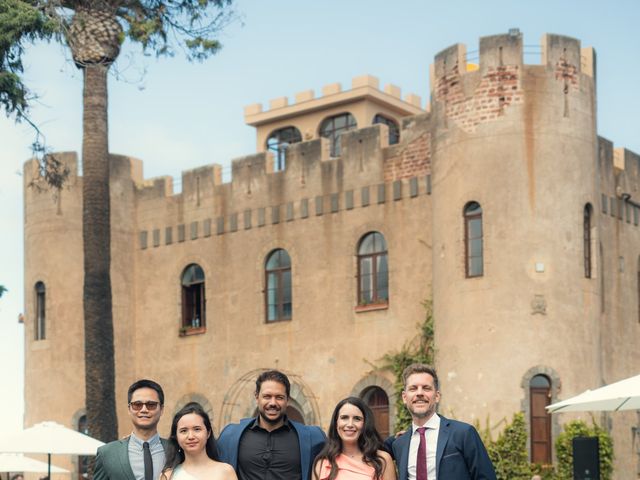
{"points": [[377, 380], [196, 397]]}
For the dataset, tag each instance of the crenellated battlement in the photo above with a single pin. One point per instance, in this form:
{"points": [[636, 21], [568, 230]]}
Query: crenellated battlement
{"points": [[471, 95], [311, 184], [364, 85], [619, 174]]}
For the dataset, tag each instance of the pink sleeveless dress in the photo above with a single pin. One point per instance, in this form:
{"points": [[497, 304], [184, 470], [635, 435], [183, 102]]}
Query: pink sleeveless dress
{"points": [[348, 469]]}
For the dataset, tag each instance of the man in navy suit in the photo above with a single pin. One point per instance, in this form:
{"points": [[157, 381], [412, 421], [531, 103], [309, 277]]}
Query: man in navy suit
{"points": [[270, 445], [436, 448]]}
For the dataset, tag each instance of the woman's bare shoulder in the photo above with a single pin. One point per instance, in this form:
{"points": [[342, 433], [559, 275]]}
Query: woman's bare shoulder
{"points": [[384, 455], [226, 471]]}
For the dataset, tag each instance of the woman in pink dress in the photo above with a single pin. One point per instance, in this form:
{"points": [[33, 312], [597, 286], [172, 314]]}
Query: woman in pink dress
{"points": [[354, 447]]}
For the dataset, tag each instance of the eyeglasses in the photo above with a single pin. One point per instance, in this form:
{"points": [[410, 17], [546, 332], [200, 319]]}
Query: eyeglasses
{"points": [[137, 406]]}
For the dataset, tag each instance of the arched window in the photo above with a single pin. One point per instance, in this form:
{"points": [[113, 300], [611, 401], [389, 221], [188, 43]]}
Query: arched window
{"points": [[373, 270], [193, 300], [540, 421], [394, 131], [335, 126], [474, 263], [278, 286], [40, 317], [377, 399], [586, 234], [279, 141], [83, 461]]}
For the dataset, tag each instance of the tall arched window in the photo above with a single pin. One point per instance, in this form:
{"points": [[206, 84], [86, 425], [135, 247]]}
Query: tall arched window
{"points": [[83, 461], [373, 270], [586, 234], [638, 289], [335, 126], [279, 141], [278, 299], [377, 399], [474, 262], [40, 314], [394, 131], [193, 300], [540, 421]]}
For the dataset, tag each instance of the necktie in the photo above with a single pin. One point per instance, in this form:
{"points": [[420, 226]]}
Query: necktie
{"points": [[421, 461], [148, 462]]}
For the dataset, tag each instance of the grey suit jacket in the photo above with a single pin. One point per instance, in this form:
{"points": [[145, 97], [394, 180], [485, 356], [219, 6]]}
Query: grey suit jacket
{"points": [[112, 461]]}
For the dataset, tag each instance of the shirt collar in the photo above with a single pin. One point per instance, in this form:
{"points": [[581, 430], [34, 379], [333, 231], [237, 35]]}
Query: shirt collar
{"points": [[432, 424], [255, 425], [152, 441]]}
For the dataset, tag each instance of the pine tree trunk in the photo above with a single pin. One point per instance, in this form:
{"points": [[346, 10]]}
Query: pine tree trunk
{"points": [[98, 317]]}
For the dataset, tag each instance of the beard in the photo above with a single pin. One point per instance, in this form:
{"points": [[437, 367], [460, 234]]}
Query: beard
{"points": [[271, 421]]}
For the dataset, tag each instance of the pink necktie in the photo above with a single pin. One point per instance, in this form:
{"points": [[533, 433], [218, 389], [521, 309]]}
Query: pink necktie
{"points": [[421, 461]]}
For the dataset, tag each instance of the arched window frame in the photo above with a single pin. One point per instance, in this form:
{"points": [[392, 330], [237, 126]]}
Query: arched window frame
{"points": [[378, 400], [278, 299], [638, 288], [540, 387], [333, 127], [525, 384], [473, 240], [40, 317], [587, 218], [394, 129], [278, 142], [373, 271], [194, 312]]}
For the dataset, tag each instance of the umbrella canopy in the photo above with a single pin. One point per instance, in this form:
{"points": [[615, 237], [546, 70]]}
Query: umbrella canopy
{"points": [[622, 395], [51, 438], [16, 462]]}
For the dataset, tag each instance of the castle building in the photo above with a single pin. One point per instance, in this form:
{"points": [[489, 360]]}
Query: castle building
{"points": [[499, 202]]}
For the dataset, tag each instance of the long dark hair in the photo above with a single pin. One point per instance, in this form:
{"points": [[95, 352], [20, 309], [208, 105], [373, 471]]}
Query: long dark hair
{"points": [[369, 441], [174, 454]]}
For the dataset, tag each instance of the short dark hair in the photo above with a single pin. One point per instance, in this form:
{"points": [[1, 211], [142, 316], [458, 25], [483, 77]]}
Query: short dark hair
{"points": [[274, 376], [420, 368], [145, 383]]}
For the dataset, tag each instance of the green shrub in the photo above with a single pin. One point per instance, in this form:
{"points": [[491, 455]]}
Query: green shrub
{"points": [[509, 452], [564, 448]]}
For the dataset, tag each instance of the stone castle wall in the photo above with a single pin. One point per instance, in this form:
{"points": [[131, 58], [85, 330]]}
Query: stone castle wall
{"points": [[519, 139]]}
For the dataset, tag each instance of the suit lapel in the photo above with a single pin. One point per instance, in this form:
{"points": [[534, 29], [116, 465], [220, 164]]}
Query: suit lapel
{"points": [[304, 441], [123, 456], [404, 442], [443, 438]]}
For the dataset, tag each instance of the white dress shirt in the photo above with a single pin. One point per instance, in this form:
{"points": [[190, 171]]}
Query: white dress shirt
{"points": [[431, 436]]}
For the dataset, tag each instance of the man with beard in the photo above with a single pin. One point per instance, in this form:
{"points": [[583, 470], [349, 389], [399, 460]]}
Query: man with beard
{"points": [[140, 456], [436, 447], [270, 445]]}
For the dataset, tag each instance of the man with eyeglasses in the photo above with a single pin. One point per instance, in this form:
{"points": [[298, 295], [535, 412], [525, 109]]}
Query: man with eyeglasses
{"points": [[271, 446], [140, 456]]}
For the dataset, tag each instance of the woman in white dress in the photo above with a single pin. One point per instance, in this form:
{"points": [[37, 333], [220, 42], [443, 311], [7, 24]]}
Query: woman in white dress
{"points": [[192, 453]]}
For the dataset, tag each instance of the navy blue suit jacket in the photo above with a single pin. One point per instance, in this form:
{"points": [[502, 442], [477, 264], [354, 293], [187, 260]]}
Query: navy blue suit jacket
{"points": [[310, 438], [460, 454]]}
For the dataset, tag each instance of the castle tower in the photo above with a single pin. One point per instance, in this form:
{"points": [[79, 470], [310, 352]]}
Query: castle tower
{"points": [[513, 166]]}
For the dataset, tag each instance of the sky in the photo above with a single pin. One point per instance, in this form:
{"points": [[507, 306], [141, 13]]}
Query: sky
{"points": [[176, 115]]}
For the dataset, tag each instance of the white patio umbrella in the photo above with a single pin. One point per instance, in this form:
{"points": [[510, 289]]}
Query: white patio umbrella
{"points": [[622, 395], [16, 462], [50, 438]]}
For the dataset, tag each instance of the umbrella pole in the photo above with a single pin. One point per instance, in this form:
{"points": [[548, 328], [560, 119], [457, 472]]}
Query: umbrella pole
{"points": [[49, 466]]}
